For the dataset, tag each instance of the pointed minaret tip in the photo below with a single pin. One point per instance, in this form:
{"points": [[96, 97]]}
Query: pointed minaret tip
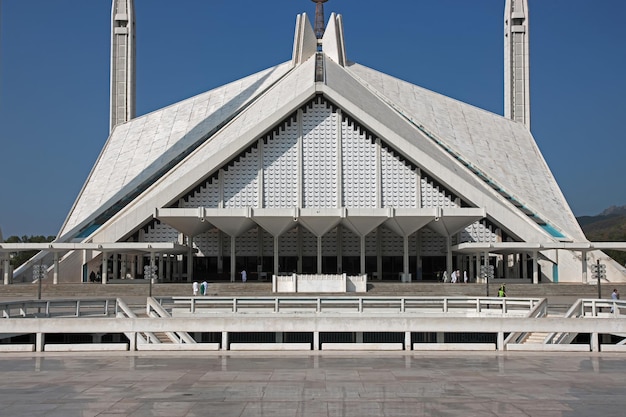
{"points": [[122, 100], [516, 62], [319, 18]]}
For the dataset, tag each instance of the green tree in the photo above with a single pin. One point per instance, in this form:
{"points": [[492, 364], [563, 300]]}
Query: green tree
{"points": [[18, 258]]}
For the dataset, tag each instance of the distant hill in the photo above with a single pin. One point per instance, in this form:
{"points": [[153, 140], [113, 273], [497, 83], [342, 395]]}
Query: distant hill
{"points": [[608, 226], [610, 213]]}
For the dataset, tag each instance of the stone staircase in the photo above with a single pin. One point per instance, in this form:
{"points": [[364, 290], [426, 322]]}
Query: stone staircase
{"points": [[138, 290], [535, 338]]}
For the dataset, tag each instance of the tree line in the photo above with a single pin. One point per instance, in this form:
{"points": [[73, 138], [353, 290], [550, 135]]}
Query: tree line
{"points": [[18, 258]]}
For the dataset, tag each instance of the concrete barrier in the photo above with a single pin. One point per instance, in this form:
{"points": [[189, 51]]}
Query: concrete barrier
{"points": [[362, 346], [177, 346], [537, 347], [613, 348], [455, 346], [17, 348], [270, 346], [85, 347]]}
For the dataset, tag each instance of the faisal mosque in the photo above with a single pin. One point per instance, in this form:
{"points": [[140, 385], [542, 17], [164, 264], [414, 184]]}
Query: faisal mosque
{"points": [[321, 165]]}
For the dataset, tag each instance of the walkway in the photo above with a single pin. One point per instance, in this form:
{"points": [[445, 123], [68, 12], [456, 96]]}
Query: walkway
{"points": [[362, 385]]}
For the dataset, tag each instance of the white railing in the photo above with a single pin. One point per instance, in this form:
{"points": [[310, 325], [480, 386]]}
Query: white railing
{"points": [[156, 310], [59, 308], [585, 308], [540, 310], [460, 306]]}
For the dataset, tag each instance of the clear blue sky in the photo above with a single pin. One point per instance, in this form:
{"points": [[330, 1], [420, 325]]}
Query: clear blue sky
{"points": [[54, 79]]}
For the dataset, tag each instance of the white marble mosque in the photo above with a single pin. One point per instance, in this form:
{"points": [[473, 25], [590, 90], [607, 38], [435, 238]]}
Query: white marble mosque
{"points": [[321, 165]]}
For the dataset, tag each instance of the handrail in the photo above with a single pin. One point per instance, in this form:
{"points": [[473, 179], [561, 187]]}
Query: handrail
{"points": [[486, 306], [59, 308], [155, 309], [586, 307], [540, 310], [123, 311]]}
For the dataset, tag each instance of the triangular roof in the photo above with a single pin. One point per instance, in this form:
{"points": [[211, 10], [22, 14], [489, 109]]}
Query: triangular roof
{"points": [[152, 160]]}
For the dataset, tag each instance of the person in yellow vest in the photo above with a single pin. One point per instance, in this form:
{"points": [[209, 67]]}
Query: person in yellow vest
{"points": [[502, 291]]}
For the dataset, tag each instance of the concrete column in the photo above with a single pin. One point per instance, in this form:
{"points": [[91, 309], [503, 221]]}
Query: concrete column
{"points": [[477, 263], [359, 337], [595, 342], [405, 255], [535, 268], [139, 264], [407, 340], [299, 266], [276, 258], [168, 267], [190, 259], [6, 271], [160, 273], [114, 274], [133, 266], [441, 337], [418, 255], [339, 249], [123, 266], [316, 340], [55, 272], [379, 253], [319, 254], [152, 263], [279, 337], [362, 255], [233, 258], [449, 267], [500, 341], [505, 265], [105, 267], [583, 256], [133, 342], [224, 340], [39, 342]]}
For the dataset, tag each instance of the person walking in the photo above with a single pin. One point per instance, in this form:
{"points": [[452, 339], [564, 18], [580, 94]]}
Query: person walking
{"points": [[205, 287], [195, 288], [502, 291], [244, 276], [614, 297]]}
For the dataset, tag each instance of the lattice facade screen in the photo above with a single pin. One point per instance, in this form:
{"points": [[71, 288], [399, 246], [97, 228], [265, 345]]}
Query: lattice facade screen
{"points": [[160, 232], [399, 182], [240, 181], [319, 156], [280, 167], [433, 196], [358, 163]]}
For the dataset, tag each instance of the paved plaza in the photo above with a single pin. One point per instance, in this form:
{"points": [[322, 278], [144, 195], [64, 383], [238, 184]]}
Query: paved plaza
{"points": [[360, 385]]}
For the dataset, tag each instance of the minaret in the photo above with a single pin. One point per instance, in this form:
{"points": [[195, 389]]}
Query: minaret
{"points": [[516, 64], [122, 62], [319, 18]]}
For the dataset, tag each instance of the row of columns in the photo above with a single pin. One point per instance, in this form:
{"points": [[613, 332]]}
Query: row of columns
{"points": [[167, 266]]}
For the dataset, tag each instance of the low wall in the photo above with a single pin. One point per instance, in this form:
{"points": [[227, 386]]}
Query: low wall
{"points": [[319, 283]]}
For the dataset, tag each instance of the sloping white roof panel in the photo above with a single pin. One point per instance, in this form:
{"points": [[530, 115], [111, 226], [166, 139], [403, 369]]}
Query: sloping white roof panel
{"points": [[262, 115], [502, 149], [138, 149]]}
